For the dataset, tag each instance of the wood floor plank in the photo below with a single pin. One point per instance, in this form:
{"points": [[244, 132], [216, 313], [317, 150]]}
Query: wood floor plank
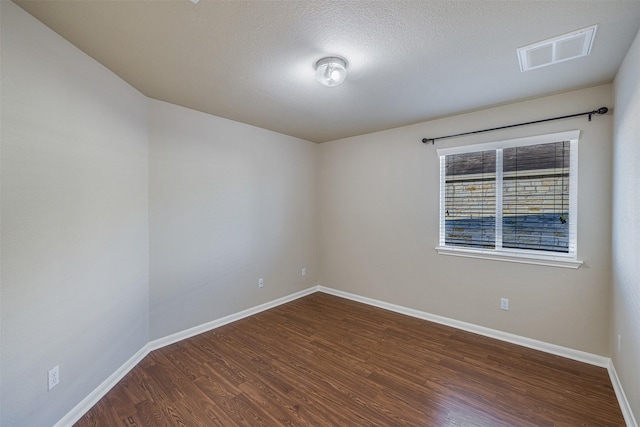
{"points": [[326, 361]]}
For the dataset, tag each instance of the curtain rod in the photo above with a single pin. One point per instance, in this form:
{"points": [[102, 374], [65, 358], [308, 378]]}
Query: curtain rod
{"points": [[601, 110]]}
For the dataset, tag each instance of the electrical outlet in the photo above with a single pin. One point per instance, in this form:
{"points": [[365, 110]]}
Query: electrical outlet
{"points": [[260, 282], [504, 303], [619, 344], [304, 271], [54, 377]]}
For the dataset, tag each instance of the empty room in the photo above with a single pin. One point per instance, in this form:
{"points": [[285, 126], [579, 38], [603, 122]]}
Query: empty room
{"points": [[319, 213]]}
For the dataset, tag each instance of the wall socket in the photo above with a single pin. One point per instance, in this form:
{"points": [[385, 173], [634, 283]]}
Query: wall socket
{"points": [[619, 344], [54, 376], [260, 282], [304, 271], [504, 303]]}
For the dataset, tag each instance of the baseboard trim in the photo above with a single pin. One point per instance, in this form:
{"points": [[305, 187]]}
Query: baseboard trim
{"points": [[196, 330], [580, 356], [87, 403], [557, 350], [83, 406], [627, 413]]}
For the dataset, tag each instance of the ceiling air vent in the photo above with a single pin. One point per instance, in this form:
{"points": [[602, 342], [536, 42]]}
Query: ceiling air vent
{"points": [[557, 49]]}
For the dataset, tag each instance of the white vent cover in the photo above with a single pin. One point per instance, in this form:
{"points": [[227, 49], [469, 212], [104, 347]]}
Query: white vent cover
{"points": [[557, 49]]}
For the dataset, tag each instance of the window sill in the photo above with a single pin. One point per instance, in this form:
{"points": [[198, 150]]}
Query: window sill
{"points": [[552, 261]]}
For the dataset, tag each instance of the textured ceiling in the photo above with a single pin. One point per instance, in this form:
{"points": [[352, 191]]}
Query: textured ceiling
{"points": [[409, 61]]}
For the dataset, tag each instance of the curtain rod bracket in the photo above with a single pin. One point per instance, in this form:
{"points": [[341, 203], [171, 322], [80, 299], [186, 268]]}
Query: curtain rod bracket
{"points": [[601, 110]]}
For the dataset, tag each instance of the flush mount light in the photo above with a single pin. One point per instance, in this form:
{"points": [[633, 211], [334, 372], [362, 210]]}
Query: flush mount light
{"points": [[331, 71]]}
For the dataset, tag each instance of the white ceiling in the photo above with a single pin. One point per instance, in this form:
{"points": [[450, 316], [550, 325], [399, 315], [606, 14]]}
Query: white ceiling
{"points": [[409, 61]]}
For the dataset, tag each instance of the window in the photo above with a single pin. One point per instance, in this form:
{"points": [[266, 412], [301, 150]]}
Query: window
{"points": [[514, 200]]}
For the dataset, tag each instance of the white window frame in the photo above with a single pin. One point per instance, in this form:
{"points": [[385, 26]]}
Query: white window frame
{"points": [[554, 259]]}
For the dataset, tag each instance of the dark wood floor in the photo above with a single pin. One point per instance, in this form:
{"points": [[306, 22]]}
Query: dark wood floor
{"points": [[326, 361]]}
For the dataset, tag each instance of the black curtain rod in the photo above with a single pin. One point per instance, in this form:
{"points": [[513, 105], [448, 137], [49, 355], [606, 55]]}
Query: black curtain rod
{"points": [[601, 110]]}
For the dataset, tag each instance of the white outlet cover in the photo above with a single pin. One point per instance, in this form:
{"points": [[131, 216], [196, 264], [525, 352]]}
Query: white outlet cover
{"points": [[54, 377], [504, 303], [260, 282], [304, 271]]}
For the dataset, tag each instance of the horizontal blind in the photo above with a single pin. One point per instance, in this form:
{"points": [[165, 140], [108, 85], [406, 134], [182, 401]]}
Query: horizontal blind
{"points": [[535, 204], [511, 196], [469, 205]]}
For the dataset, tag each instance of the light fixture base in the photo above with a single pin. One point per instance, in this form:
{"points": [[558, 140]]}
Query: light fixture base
{"points": [[331, 71]]}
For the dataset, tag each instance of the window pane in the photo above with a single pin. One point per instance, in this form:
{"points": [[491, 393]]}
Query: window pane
{"points": [[535, 207], [470, 199]]}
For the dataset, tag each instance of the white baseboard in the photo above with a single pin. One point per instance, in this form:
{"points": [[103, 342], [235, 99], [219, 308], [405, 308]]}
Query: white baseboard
{"points": [[569, 353], [81, 408], [87, 403], [580, 356], [196, 330], [622, 397]]}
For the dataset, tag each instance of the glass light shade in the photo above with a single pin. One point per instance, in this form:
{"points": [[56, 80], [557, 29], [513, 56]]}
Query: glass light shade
{"points": [[331, 71]]}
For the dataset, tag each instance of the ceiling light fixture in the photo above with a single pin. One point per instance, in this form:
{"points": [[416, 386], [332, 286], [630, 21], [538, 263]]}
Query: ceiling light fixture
{"points": [[331, 71]]}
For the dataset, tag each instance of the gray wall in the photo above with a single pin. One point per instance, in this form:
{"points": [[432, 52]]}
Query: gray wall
{"points": [[74, 226], [626, 227], [125, 219], [228, 203], [379, 226]]}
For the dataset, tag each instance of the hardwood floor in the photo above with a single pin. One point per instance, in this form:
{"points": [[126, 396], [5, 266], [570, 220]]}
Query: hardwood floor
{"points": [[327, 361]]}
